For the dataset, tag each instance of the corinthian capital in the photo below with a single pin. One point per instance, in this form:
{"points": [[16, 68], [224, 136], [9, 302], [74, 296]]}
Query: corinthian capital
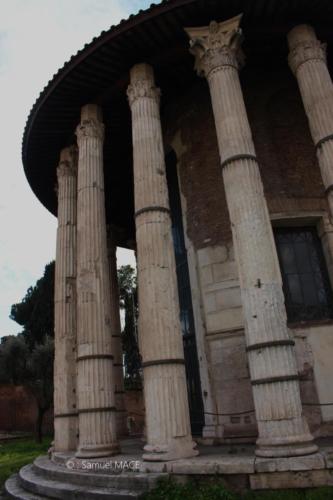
{"points": [[90, 128], [304, 46], [216, 45], [68, 162], [142, 88], [142, 84]]}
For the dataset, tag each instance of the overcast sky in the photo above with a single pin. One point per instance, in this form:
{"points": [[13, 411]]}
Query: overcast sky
{"points": [[36, 38]]}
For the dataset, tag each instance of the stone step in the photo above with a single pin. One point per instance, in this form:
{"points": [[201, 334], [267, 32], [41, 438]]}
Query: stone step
{"points": [[137, 481], [13, 489], [36, 484]]}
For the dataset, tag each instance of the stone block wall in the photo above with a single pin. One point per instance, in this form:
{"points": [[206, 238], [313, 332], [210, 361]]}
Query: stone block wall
{"points": [[226, 342], [228, 361], [220, 287]]}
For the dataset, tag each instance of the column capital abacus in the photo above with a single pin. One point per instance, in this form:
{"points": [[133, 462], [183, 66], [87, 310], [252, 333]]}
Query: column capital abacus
{"points": [[67, 166], [90, 128], [306, 50], [216, 46]]}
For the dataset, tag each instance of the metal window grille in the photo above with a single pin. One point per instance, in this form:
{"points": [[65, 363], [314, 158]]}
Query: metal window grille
{"points": [[306, 285]]}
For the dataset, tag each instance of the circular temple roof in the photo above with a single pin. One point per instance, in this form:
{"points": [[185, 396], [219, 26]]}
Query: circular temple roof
{"points": [[99, 74]]}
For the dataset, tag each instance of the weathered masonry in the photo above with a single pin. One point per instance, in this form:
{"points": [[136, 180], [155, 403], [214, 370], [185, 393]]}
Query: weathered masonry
{"points": [[200, 134]]}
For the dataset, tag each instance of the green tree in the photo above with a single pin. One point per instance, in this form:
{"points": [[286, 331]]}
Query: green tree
{"points": [[35, 312], [13, 359], [128, 303]]}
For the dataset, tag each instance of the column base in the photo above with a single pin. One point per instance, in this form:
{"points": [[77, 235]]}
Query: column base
{"points": [[280, 447], [212, 431], [96, 451], [174, 451]]}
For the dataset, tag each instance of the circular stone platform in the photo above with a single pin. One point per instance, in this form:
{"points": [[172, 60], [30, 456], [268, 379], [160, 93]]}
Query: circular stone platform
{"points": [[126, 476]]}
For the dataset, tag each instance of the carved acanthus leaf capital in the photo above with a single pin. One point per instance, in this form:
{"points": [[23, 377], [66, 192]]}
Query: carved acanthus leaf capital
{"points": [[142, 88], [90, 128], [304, 51], [68, 162], [216, 45]]}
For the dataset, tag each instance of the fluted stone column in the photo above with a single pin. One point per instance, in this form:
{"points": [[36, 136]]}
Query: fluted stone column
{"points": [[118, 371], [307, 59], [96, 402], [65, 412], [167, 412], [283, 430]]}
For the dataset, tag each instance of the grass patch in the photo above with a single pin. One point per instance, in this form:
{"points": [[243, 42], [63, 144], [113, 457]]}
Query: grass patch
{"points": [[170, 490], [15, 454]]}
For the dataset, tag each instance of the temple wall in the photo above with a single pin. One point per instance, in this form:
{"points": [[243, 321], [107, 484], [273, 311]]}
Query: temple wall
{"points": [[295, 195], [226, 341]]}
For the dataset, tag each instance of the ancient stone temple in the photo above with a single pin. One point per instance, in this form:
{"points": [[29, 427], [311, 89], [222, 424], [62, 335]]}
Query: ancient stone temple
{"points": [[200, 135]]}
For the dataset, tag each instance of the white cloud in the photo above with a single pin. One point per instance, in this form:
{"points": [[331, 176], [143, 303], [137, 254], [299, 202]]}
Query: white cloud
{"points": [[36, 38]]}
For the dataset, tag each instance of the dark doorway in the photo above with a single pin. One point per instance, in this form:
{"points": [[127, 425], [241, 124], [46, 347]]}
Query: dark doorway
{"points": [[185, 299]]}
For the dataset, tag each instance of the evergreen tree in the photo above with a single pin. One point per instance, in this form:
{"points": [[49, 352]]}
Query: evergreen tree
{"points": [[35, 311]]}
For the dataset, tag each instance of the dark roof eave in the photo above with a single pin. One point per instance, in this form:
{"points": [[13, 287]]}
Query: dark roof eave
{"points": [[89, 48]]}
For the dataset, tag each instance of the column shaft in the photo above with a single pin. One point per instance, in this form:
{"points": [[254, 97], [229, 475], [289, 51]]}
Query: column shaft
{"points": [[94, 354], [65, 412], [307, 59], [167, 414], [282, 428], [118, 372]]}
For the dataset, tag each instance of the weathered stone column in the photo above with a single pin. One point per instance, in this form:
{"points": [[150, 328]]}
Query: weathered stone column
{"points": [[283, 430], [65, 412], [167, 413], [96, 404], [307, 59], [118, 373]]}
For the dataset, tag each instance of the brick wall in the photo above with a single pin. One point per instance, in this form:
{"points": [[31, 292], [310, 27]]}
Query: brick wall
{"points": [[286, 155], [18, 410]]}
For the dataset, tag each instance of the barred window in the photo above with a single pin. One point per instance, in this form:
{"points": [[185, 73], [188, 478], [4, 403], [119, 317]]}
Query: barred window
{"points": [[306, 286]]}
